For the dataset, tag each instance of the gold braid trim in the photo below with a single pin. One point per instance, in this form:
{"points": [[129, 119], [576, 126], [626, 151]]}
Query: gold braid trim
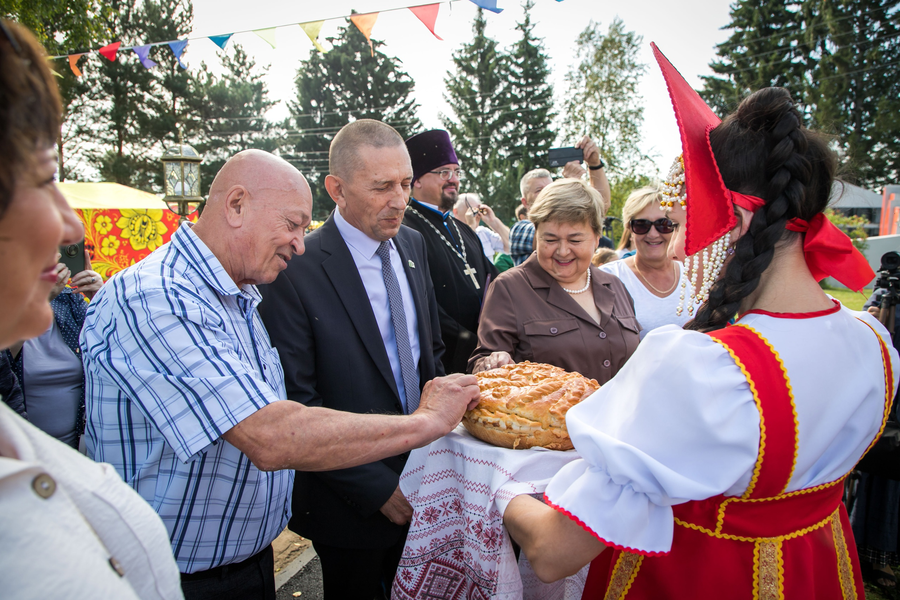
{"points": [[762, 424], [888, 387], [787, 381], [844, 568], [626, 569], [739, 538], [768, 568]]}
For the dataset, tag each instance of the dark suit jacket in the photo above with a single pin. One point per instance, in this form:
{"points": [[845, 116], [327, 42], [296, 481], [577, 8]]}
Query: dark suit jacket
{"points": [[528, 314], [319, 318]]}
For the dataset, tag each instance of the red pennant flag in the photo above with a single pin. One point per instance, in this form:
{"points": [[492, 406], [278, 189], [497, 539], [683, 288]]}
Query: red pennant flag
{"points": [[73, 64], [428, 15], [110, 50]]}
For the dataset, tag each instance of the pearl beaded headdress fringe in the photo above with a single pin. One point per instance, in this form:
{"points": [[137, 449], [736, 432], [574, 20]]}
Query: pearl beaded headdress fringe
{"points": [[709, 262]]}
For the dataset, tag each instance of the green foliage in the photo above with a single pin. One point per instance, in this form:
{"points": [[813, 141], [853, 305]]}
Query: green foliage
{"points": [[839, 61], [60, 26], [852, 225], [602, 99], [531, 109], [126, 111], [343, 85], [766, 48], [231, 111], [856, 84], [478, 95]]}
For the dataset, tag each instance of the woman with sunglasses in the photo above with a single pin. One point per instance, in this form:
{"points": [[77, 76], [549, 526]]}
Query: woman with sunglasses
{"points": [[649, 275], [713, 463], [70, 525], [556, 307]]}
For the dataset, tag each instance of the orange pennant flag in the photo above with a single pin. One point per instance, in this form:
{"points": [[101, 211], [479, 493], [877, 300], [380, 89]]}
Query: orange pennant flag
{"points": [[110, 50], [73, 64], [428, 15], [365, 24]]}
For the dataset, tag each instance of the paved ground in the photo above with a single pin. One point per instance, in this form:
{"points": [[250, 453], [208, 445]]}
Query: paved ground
{"points": [[305, 585], [297, 572]]}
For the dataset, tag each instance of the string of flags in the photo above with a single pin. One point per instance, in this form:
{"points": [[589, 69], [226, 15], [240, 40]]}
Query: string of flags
{"points": [[426, 13]]}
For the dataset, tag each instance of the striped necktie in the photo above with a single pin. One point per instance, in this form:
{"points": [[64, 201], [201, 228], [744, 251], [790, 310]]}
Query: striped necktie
{"points": [[398, 318]]}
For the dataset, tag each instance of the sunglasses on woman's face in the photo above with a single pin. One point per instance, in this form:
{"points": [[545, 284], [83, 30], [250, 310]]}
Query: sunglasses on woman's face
{"points": [[642, 226]]}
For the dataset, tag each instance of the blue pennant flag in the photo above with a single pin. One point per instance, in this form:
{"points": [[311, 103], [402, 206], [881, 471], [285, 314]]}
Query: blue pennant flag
{"points": [[221, 40], [490, 5], [143, 53], [178, 49]]}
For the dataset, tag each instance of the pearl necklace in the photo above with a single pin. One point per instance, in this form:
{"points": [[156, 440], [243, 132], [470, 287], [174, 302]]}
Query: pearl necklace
{"points": [[586, 285], [653, 287]]}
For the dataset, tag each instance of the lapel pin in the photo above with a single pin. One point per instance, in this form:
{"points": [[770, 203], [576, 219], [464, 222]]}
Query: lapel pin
{"points": [[411, 264]]}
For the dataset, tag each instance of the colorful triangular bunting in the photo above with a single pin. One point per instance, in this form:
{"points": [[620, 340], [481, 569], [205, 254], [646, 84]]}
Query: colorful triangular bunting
{"points": [[428, 15], [312, 29], [490, 5], [143, 53], [178, 47], [267, 34], [73, 64], [109, 51], [221, 40], [365, 23]]}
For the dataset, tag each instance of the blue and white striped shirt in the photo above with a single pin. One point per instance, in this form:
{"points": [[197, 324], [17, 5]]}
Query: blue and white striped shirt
{"points": [[175, 355]]}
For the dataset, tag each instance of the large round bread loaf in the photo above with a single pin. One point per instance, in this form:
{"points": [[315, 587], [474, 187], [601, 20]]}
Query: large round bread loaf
{"points": [[524, 405]]}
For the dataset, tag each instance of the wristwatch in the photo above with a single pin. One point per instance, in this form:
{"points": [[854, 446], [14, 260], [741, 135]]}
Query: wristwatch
{"points": [[597, 167]]}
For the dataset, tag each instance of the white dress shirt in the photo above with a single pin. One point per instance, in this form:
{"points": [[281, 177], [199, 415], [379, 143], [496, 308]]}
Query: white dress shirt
{"points": [[362, 249]]}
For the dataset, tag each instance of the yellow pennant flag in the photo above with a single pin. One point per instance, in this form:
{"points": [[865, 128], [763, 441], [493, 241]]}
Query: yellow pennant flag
{"points": [[73, 64], [266, 34], [365, 23], [312, 29]]}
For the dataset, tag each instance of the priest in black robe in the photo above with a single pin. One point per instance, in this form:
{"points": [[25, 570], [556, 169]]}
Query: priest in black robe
{"points": [[459, 269]]}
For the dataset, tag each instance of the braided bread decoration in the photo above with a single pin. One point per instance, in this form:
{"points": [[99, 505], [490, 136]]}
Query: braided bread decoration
{"points": [[524, 405]]}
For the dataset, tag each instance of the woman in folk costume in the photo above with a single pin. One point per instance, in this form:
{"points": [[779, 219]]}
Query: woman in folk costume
{"points": [[713, 462]]}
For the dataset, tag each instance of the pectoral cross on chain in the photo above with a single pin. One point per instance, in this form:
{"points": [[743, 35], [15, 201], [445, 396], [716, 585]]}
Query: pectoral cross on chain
{"points": [[470, 271]]}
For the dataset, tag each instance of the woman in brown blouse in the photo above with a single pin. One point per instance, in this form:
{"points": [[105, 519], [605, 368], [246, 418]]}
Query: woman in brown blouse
{"points": [[556, 307]]}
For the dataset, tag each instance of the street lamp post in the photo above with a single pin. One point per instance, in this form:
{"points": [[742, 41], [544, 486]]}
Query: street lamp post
{"points": [[181, 174]]}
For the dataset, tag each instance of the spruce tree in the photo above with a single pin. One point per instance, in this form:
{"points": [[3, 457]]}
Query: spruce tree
{"points": [[857, 86], [345, 84], [478, 94], [231, 109], [126, 110], [531, 133], [767, 47]]}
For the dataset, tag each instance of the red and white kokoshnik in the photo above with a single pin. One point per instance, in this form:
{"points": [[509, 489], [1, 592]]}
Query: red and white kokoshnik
{"points": [[694, 175]]}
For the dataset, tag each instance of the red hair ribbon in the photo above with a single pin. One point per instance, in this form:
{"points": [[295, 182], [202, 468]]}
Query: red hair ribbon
{"points": [[829, 252], [751, 203]]}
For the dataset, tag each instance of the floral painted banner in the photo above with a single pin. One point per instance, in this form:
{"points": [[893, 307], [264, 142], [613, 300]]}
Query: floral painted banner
{"points": [[120, 238]]}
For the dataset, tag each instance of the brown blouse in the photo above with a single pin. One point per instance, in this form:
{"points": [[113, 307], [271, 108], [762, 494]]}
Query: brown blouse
{"points": [[528, 314]]}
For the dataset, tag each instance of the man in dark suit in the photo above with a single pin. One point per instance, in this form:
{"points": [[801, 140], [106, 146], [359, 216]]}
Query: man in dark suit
{"points": [[355, 322]]}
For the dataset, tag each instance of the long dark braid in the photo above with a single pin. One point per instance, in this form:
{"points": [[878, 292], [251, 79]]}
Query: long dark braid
{"points": [[763, 150]]}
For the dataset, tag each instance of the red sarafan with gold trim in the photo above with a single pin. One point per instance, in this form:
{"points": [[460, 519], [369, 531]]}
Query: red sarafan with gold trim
{"points": [[765, 544]]}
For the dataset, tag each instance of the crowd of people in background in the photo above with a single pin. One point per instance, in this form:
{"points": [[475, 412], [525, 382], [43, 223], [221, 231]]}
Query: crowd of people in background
{"points": [[171, 377]]}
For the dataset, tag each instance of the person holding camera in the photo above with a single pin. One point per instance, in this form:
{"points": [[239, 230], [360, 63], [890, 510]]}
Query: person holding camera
{"points": [[49, 367], [875, 515], [495, 237], [712, 464], [521, 236], [70, 526]]}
